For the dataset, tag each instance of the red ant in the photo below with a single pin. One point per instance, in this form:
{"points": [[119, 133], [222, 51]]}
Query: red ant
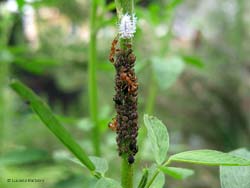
{"points": [[132, 86], [113, 49], [113, 125]]}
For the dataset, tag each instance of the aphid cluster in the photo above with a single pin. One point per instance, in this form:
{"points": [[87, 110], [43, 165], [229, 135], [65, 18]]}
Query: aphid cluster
{"points": [[126, 122]]}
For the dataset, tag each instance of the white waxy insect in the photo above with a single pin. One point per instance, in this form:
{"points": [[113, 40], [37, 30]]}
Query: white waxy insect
{"points": [[127, 26]]}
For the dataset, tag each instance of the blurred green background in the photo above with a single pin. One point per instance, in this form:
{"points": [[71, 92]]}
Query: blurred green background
{"points": [[192, 66]]}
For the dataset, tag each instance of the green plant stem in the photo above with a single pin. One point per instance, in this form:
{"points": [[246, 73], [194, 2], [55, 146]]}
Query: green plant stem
{"points": [[144, 179], [6, 25], [92, 80], [127, 173], [155, 174], [123, 7], [3, 104], [150, 182]]}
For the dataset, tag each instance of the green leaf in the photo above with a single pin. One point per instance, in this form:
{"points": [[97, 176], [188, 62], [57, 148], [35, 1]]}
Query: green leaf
{"points": [[158, 136], [177, 173], [107, 183], [23, 157], [209, 157], [46, 115], [100, 164], [236, 176], [35, 65], [167, 70], [144, 179], [193, 61]]}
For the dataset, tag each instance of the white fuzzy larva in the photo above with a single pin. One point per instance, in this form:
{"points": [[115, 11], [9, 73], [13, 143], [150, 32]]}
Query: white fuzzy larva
{"points": [[127, 26]]}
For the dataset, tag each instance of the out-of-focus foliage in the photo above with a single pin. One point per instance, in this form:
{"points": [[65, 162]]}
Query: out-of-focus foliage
{"points": [[192, 65]]}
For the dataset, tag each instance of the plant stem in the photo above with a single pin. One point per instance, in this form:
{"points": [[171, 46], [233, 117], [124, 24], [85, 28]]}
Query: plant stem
{"points": [[127, 173], [157, 171], [123, 7], [3, 104], [92, 79], [6, 24], [153, 178]]}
